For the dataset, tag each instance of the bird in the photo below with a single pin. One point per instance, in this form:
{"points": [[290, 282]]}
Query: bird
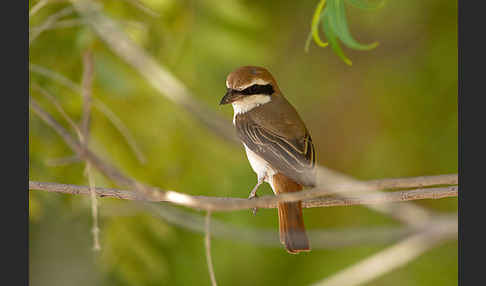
{"points": [[278, 145]]}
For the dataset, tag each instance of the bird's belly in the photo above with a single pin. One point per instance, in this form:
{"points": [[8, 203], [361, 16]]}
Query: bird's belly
{"points": [[260, 166]]}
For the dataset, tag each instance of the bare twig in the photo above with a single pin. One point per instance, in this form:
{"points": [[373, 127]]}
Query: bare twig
{"points": [[59, 108], [393, 256], [54, 162], [143, 8], [41, 4], [207, 244], [68, 23], [37, 7], [48, 22], [76, 22], [103, 108], [115, 120], [87, 81], [105, 168], [270, 201], [415, 182], [94, 208], [86, 93], [339, 183], [56, 77]]}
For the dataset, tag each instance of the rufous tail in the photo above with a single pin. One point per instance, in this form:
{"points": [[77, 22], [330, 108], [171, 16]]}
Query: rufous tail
{"points": [[290, 218]]}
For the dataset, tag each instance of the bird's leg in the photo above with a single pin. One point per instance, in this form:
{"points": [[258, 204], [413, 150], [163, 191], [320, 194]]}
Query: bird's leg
{"points": [[253, 193]]}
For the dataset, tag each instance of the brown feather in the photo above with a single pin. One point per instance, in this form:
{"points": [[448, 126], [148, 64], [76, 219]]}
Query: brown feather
{"points": [[280, 138], [290, 218]]}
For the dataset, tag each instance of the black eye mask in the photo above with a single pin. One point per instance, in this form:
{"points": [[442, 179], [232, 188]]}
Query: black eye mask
{"points": [[258, 89]]}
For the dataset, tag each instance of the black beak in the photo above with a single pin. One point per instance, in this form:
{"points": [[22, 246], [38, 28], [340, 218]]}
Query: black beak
{"points": [[230, 96]]}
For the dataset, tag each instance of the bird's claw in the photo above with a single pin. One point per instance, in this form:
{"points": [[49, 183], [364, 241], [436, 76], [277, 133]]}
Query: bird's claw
{"points": [[253, 196]]}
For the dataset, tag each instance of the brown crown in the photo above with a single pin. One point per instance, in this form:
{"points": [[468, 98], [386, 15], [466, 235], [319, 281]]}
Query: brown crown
{"points": [[245, 76]]}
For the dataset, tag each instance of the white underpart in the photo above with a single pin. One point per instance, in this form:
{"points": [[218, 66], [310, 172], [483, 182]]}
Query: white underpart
{"points": [[263, 170]]}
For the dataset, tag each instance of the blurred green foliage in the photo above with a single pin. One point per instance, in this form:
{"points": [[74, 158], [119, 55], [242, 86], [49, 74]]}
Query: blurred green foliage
{"points": [[393, 114], [334, 24]]}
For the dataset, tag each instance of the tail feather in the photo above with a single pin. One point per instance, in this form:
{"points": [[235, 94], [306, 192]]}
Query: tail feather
{"points": [[291, 221]]}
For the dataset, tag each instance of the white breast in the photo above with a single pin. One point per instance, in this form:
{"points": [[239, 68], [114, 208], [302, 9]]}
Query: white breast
{"points": [[260, 166]]}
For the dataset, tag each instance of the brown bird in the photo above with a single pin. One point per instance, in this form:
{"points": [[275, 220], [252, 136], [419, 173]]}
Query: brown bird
{"points": [[277, 143]]}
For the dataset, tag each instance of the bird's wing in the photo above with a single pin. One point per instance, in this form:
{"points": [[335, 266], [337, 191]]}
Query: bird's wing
{"points": [[294, 157]]}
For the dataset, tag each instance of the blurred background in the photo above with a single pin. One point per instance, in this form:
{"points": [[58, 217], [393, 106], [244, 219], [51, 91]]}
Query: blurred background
{"points": [[393, 113]]}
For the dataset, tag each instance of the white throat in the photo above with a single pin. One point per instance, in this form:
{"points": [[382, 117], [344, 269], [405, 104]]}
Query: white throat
{"points": [[248, 103]]}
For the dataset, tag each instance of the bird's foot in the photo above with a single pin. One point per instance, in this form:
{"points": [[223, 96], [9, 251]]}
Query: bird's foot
{"points": [[252, 196]]}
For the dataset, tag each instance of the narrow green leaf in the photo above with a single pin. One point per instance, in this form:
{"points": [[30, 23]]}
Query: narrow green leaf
{"points": [[331, 37], [315, 27], [337, 18], [367, 5]]}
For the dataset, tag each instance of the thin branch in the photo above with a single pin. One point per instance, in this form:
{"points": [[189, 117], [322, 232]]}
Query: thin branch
{"points": [[207, 244], [115, 120], [342, 184], [142, 7], [270, 201], [87, 81], [103, 108], [41, 4], [55, 76], [105, 168], [423, 181], [59, 108], [76, 22], [49, 22], [393, 256], [94, 208], [55, 162], [37, 7], [61, 24]]}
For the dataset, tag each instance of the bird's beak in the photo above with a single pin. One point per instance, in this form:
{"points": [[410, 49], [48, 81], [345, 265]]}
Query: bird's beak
{"points": [[230, 96]]}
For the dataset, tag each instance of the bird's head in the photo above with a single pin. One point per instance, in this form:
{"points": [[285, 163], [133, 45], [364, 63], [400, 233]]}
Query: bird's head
{"points": [[249, 82]]}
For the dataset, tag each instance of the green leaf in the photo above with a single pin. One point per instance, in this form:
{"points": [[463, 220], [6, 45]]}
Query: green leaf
{"points": [[314, 33], [331, 37], [337, 19], [366, 5]]}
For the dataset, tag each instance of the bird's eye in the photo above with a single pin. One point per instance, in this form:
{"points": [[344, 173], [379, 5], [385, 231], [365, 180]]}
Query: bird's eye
{"points": [[258, 89]]}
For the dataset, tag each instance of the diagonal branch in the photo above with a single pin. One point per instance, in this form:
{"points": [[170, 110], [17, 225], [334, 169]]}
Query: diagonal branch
{"points": [[392, 257], [51, 20], [98, 104]]}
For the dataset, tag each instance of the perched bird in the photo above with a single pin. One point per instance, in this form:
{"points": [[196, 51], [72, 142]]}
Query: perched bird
{"points": [[277, 143]]}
